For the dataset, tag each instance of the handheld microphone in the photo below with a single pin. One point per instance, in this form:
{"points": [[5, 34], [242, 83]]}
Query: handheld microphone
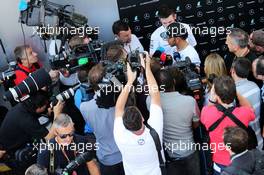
{"points": [[162, 57]]}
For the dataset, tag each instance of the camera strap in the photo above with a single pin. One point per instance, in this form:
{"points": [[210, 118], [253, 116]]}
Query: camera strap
{"points": [[225, 113], [156, 139], [51, 164]]}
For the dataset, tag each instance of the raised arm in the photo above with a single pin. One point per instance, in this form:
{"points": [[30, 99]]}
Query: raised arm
{"points": [[122, 99], [152, 84], [57, 111]]}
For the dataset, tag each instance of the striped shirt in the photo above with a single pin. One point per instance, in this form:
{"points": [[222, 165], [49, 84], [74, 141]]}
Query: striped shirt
{"points": [[251, 92]]}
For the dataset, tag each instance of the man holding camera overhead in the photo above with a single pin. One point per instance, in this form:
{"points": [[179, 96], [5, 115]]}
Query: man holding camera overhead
{"points": [[132, 137]]}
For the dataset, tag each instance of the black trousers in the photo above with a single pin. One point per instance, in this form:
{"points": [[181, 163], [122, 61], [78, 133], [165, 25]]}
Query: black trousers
{"points": [[116, 169], [186, 166]]}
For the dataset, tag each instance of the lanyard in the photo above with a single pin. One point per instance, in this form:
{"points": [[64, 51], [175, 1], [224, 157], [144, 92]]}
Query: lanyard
{"points": [[65, 155]]}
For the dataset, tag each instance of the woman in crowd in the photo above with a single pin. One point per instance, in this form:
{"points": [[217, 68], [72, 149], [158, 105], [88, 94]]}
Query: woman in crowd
{"points": [[214, 66]]}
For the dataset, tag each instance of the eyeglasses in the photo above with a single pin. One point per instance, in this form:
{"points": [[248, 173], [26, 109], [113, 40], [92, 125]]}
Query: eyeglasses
{"points": [[64, 136]]}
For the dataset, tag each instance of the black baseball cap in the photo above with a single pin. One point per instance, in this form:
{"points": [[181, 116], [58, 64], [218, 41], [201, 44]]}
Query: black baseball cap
{"points": [[175, 29]]}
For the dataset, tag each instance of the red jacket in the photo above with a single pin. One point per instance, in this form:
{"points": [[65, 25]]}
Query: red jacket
{"points": [[22, 75]]}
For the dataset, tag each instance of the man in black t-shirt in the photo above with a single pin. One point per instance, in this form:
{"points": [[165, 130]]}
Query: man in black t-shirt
{"points": [[237, 42], [65, 148]]}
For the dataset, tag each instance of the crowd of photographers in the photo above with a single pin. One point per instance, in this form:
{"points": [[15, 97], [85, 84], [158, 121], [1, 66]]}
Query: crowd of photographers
{"points": [[139, 113]]}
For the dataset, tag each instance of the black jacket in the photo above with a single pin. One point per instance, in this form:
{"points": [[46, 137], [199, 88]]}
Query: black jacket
{"points": [[244, 164]]}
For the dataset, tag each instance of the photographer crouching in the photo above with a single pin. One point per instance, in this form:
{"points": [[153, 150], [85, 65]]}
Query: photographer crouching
{"points": [[21, 126]]}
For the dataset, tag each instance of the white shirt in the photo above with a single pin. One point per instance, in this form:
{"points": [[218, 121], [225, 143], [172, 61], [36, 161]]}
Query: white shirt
{"points": [[157, 41], [190, 52], [133, 45], [139, 152], [52, 47]]}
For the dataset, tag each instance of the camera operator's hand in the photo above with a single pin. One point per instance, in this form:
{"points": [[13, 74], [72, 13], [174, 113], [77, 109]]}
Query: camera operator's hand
{"points": [[148, 60], [212, 96], [131, 76], [145, 61], [58, 108], [142, 61]]}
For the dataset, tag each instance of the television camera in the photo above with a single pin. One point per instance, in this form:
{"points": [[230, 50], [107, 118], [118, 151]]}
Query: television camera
{"points": [[192, 78], [76, 58]]}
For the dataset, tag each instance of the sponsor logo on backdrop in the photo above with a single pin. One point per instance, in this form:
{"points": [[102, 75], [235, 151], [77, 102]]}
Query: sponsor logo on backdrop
{"points": [[126, 20], [261, 19], [136, 19], [230, 7], [251, 2], [242, 24], [128, 7], [137, 28], [251, 12], [157, 14], [252, 22], [146, 16], [209, 12], [188, 6], [149, 35], [178, 9], [213, 41], [148, 2], [240, 5], [220, 9], [204, 52], [221, 19], [231, 16], [157, 23], [188, 17], [198, 4], [224, 48], [199, 14], [147, 26], [209, 2], [211, 21], [179, 18]]}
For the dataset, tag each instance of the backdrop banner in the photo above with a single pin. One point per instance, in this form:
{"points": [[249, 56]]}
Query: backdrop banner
{"points": [[209, 19]]}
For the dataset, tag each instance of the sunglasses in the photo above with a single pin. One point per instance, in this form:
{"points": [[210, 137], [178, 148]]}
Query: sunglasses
{"points": [[64, 136]]}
